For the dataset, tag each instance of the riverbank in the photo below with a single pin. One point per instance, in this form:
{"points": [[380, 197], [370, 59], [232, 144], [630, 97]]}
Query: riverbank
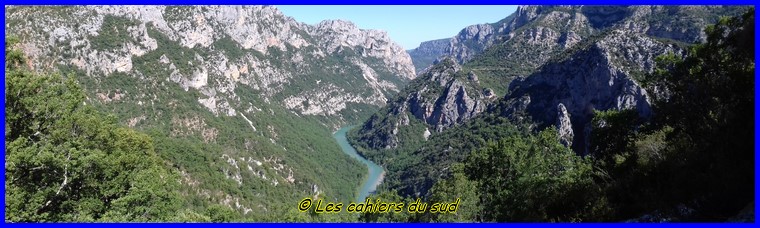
{"points": [[378, 181], [375, 174]]}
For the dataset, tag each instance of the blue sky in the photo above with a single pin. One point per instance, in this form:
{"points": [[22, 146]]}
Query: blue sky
{"points": [[407, 25]]}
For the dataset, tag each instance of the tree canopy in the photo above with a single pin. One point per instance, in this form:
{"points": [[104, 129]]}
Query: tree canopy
{"points": [[67, 162]]}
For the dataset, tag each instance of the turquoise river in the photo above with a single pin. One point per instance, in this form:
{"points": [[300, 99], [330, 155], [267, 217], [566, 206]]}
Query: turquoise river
{"points": [[376, 173]]}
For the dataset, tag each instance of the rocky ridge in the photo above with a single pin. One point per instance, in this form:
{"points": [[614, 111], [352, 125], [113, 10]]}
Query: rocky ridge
{"points": [[440, 98], [553, 66], [232, 80], [519, 45], [653, 21], [602, 75], [259, 29], [427, 52]]}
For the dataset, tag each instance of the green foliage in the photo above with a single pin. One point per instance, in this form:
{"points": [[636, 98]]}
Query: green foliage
{"points": [[458, 186], [219, 213], [231, 49], [690, 19], [517, 56], [67, 162], [523, 177], [422, 167], [317, 158], [377, 132], [113, 33], [697, 151], [715, 81], [613, 132], [182, 57], [534, 178], [388, 196]]}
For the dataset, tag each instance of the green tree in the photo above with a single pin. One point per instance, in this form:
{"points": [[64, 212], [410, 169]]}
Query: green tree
{"points": [[451, 189], [697, 151], [710, 109], [221, 213], [67, 162], [535, 178], [612, 138], [388, 196]]}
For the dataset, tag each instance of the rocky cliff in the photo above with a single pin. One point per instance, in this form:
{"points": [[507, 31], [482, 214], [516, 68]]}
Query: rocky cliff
{"points": [[546, 66], [656, 21], [522, 43], [601, 74], [441, 97], [428, 51], [528, 38], [242, 98], [230, 46]]}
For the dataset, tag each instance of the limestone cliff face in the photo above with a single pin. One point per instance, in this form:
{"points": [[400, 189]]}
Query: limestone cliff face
{"points": [[600, 75], [545, 65], [656, 21], [533, 55], [441, 97], [530, 37], [564, 126], [446, 102], [475, 39], [470, 41], [427, 53], [245, 82], [336, 34], [279, 51], [432, 97], [653, 20]]}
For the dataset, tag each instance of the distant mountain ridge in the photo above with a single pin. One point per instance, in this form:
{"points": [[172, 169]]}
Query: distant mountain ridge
{"points": [[542, 66]]}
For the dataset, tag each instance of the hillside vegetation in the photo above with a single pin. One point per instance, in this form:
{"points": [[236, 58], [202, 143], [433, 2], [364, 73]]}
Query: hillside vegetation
{"points": [[691, 160]]}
